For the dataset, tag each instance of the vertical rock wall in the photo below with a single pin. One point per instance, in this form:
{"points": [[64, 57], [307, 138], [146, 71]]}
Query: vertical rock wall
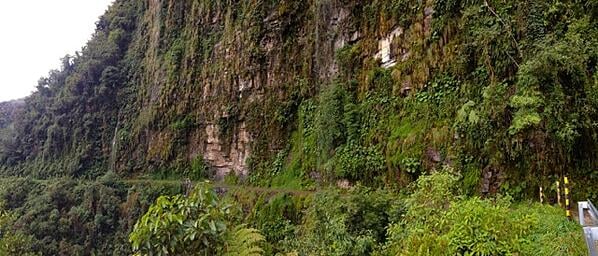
{"points": [[225, 69]]}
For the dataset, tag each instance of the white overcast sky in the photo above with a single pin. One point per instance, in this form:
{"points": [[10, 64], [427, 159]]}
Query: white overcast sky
{"points": [[35, 34]]}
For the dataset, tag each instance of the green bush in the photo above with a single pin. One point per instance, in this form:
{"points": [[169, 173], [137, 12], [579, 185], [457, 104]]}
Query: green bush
{"points": [[358, 163], [13, 242], [483, 227], [439, 221], [198, 224], [199, 170], [346, 224], [276, 218]]}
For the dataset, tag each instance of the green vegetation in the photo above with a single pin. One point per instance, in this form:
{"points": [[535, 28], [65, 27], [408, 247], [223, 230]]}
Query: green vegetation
{"points": [[66, 216], [433, 219], [329, 152], [501, 86], [12, 242], [197, 224], [440, 221]]}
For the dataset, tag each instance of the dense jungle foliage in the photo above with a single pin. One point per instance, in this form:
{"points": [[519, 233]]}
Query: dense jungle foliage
{"points": [[431, 217], [313, 144]]}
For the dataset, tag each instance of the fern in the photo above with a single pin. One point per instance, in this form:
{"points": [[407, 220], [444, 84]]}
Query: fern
{"points": [[524, 119], [244, 241]]}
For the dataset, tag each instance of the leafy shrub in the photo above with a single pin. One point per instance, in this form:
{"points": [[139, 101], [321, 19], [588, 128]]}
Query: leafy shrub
{"points": [[198, 170], [356, 162], [329, 121], [352, 224], [276, 218], [193, 225], [13, 242], [483, 227], [439, 221]]}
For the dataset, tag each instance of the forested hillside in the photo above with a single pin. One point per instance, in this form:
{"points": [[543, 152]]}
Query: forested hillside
{"points": [[8, 113], [329, 127]]}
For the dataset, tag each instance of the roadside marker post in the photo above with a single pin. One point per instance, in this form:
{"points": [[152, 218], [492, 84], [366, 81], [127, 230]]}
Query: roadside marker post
{"points": [[558, 193], [567, 198]]}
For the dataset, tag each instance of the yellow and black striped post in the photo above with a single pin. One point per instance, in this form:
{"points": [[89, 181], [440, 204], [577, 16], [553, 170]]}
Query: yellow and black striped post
{"points": [[558, 193], [541, 195], [567, 198]]}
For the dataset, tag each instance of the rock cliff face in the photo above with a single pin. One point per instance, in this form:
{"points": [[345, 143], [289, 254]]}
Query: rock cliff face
{"points": [[218, 80], [372, 91], [225, 71], [295, 95]]}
